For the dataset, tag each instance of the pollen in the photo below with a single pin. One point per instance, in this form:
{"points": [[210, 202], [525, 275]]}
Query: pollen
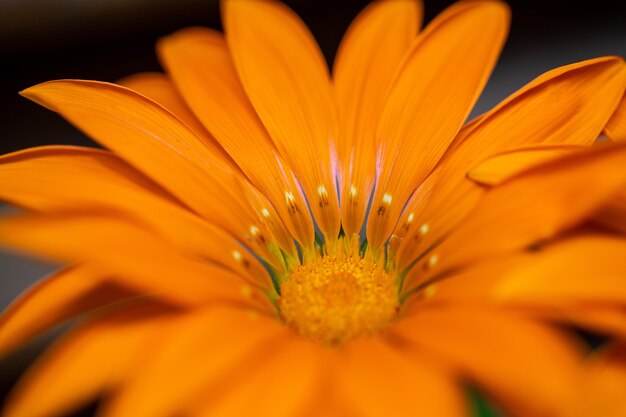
{"points": [[338, 298]]}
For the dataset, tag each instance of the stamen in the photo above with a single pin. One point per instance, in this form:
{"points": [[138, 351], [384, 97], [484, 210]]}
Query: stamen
{"points": [[292, 206], [386, 202], [321, 191], [353, 192], [409, 220], [432, 261]]}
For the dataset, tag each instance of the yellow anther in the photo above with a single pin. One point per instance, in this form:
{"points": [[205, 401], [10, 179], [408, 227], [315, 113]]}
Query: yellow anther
{"points": [[384, 205], [292, 206], [353, 191], [430, 291], [432, 261], [321, 190]]}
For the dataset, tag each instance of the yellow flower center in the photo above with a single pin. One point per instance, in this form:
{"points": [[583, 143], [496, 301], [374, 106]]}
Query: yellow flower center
{"points": [[336, 298]]}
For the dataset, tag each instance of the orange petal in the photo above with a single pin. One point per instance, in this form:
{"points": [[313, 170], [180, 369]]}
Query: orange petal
{"points": [[53, 178], [396, 383], [54, 300], [587, 268], [200, 64], [281, 385], [368, 57], [135, 257], [531, 207], [565, 106], [155, 141], [202, 350], [160, 88], [85, 364], [616, 127], [501, 167], [284, 75], [527, 367], [429, 102]]}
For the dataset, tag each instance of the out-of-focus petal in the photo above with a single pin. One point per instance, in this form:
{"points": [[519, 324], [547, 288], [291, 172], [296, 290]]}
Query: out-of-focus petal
{"points": [[378, 379], [86, 363], [68, 293], [133, 256], [203, 351], [486, 346], [56, 178]]}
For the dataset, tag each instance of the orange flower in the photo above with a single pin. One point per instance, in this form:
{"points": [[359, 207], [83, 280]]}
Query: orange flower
{"points": [[216, 258]]}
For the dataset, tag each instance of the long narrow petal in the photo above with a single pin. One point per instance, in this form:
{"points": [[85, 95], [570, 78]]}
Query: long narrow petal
{"points": [[531, 207], [395, 383], [135, 257], [501, 353], [566, 106], [55, 299], [160, 88], [153, 140], [284, 74], [616, 127], [430, 101], [499, 168], [202, 350], [200, 64], [368, 57], [56, 178], [86, 363]]}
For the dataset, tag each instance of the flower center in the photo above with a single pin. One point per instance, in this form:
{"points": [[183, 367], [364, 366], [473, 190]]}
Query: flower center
{"points": [[337, 298]]}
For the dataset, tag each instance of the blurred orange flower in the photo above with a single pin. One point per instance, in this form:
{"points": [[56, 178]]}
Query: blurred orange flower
{"points": [[215, 249]]}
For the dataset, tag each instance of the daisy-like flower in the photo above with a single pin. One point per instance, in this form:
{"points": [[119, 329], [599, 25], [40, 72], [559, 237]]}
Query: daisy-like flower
{"points": [[263, 239]]}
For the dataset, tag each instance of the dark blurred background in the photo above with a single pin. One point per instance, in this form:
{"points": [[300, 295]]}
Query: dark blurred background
{"points": [[105, 40]]}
